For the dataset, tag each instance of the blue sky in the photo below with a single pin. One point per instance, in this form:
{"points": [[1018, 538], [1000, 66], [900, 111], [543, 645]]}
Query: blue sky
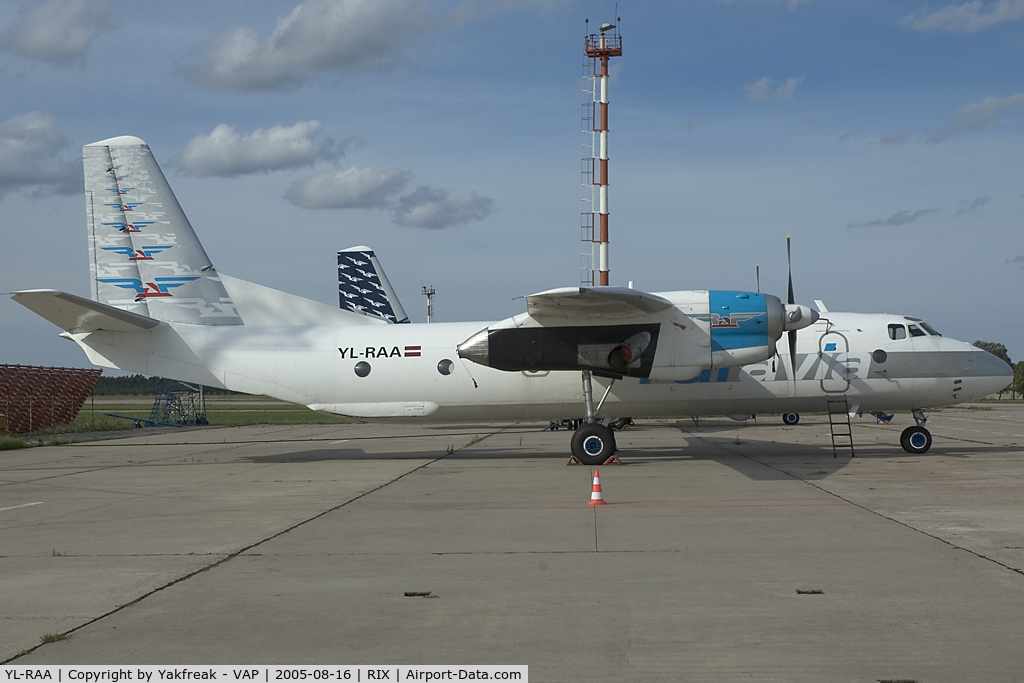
{"points": [[887, 137]]}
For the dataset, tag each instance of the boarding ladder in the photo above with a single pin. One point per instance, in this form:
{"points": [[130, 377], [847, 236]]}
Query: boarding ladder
{"points": [[839, 424]]}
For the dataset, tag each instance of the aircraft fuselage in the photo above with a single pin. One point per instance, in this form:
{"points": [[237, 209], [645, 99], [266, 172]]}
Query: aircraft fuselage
{"points": [[413, 373]]}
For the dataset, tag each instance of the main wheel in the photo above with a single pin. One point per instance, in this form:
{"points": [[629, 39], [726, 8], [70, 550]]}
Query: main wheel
{"points": [[916, 439], [593, 444], [790, 418]]}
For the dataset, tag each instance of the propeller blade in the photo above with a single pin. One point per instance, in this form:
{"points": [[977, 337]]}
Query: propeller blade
{"points": [[792, 333], [792, 351], [789, 259], [757, 268]]}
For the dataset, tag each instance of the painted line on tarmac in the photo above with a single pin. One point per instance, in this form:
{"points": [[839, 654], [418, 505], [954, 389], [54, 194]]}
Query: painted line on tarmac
{"points": [[23, 505]]}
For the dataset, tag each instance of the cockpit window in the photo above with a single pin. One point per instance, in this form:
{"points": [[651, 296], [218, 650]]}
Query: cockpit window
{"points": [[897, 332], [916, 331], [929, 329]]}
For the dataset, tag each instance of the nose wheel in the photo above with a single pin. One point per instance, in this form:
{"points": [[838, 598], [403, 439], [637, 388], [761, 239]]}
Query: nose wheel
{"points": [[916, 439]]}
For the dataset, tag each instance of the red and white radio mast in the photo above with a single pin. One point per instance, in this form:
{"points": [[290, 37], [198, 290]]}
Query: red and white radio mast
{"points": [[599, 48], [429, 293]]}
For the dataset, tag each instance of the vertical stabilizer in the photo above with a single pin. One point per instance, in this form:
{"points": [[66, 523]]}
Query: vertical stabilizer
{"points": [[364, 288], [144, 256]]}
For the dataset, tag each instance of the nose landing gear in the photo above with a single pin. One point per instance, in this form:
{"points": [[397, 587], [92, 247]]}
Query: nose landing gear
{"points": [[916, 439]]}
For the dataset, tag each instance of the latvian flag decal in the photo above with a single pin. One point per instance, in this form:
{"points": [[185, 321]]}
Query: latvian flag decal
{"points": [[412, 351]]}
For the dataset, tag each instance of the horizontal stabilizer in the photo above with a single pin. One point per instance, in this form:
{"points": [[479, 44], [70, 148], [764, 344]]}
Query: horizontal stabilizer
{"points": [[585, 303], [75, 314]]}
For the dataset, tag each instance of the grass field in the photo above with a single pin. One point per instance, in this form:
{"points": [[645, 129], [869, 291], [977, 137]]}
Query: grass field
{"points": [[221, 411]]}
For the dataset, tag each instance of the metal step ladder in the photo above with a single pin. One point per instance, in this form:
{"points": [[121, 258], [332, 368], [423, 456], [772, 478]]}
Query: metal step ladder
{"points": [[839, 424]]}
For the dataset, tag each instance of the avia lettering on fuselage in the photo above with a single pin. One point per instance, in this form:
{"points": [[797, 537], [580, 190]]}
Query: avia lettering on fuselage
{"points": [[381, 352]]}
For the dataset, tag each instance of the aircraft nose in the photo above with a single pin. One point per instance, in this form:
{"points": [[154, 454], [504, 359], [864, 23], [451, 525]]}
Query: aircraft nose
{"points": [[991, 373]]}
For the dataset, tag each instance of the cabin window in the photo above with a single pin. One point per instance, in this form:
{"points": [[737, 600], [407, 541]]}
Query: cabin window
{"points": [[897, 332], [916, 331]]}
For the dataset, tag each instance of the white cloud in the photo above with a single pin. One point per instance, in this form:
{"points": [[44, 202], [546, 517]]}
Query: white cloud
{"points": [[895, 137], [784, 93], [904, 217], [966, 18], [226, 153], [758, 91], [350, 188], [430, 207], [972, 204], [980, 114], [57, 31], [976, 115], [319, 36], [375, 188], [28, 144], [762, 89]]}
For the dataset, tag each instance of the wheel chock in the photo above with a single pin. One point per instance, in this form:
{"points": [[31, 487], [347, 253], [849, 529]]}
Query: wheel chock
{"points": [[573, 460], [613, 460]]}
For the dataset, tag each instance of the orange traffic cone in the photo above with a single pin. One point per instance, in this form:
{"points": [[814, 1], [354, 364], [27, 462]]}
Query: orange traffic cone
{"points": [[596, 497]]}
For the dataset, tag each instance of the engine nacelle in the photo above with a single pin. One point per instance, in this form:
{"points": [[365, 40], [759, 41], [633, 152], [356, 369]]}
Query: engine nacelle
{"points": [[689, 332]]}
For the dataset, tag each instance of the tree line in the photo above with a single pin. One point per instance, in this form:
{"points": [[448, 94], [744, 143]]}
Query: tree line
{"points": [[141, 385]]}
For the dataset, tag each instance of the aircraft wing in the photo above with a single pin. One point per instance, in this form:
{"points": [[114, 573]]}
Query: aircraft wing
{"points": [[75, 314], [591, 303]]}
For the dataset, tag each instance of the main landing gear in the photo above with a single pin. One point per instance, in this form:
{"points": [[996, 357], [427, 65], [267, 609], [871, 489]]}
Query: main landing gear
{"points": [[593, 443], [790, 418], [916, 439]]}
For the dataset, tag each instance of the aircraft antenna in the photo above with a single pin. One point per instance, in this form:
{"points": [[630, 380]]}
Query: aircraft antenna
{"points": [[599, 48], [429, 293]]}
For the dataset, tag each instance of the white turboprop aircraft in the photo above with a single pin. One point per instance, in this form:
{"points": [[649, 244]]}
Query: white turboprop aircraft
{"points": [[158, 307]]}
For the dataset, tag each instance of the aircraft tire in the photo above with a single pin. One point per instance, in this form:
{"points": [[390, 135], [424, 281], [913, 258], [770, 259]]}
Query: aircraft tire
{"points": [[593, 444], [790, 418], [916, 439]]}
